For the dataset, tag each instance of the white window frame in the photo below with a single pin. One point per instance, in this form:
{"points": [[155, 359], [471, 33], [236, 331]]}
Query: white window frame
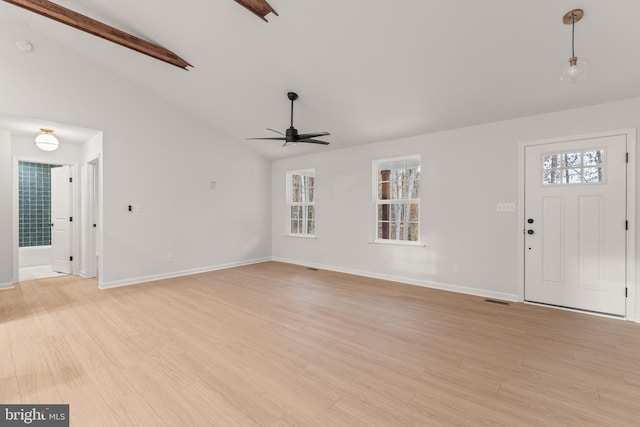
{"points": [[377, 202], [305, 204]]}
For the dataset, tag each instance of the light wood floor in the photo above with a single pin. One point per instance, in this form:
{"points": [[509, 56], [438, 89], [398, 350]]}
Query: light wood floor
{"points": [[281, 345]]}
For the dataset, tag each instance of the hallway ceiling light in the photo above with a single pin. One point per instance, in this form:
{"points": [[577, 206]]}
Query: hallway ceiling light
{"points": [[575, 68], [46, 140]]}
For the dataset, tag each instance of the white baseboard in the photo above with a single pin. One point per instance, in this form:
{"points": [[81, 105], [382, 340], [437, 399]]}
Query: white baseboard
{"points": [[6, 285], [138, 280], [409, 281]]}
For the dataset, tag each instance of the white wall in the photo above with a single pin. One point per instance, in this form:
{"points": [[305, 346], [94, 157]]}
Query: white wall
{"points": [[6, 212], [465, 172], [153, 154], [34, 255]]}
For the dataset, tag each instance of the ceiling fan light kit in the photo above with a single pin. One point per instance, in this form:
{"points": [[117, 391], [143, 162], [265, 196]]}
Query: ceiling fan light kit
{"points": [[291, 135], [575, 68]]}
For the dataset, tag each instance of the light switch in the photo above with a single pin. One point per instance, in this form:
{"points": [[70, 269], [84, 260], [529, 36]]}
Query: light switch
{"points": [[506, 207]]}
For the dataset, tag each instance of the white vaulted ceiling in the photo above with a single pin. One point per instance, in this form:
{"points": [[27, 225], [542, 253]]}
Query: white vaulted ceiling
{"points": [[365, 70]]}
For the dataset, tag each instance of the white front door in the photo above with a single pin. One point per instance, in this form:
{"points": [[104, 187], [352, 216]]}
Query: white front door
{"points": [[61, 219], [575, 224]]}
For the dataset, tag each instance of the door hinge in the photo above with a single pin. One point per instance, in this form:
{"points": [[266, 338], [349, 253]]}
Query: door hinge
{"points": [[95, 225], [626, 225], [70, 219], [70, 179], [626, 292], [70, 258]]}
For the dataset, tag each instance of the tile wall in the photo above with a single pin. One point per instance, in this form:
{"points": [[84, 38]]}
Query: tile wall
{"points": [[34, 204]]}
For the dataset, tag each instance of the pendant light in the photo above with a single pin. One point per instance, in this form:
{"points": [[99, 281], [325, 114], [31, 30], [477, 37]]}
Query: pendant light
{"points": [[575, 68], [46, 140]]}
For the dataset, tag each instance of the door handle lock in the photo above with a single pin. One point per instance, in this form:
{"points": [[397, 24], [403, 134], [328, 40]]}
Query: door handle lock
{"points": [[530, 220], [530, 232]]}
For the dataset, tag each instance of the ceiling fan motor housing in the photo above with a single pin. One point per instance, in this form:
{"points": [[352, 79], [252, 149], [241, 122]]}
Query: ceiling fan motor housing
{"points": [[292, 134]]}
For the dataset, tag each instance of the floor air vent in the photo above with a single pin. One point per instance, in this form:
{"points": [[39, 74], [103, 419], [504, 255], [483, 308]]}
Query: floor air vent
{"points": [[312, 269], [495, 301]]}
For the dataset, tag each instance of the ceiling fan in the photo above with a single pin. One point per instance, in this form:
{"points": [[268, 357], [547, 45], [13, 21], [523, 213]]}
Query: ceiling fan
{"points": [[292, 136]]}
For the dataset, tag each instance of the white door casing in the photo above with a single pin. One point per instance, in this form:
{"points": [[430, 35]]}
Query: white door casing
{"points": [[576, 253], [61, 213]]}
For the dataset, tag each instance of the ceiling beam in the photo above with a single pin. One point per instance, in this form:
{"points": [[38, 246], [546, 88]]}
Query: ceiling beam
{"points": [[258, 7], [97, 28]]}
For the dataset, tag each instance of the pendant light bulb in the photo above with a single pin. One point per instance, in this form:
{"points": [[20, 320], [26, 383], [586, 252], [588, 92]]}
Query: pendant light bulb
{"points": [[574, 69]]}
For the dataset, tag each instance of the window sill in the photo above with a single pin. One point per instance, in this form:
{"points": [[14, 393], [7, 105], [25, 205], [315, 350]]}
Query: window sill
{"points": [[398, 243], [302, 236]]}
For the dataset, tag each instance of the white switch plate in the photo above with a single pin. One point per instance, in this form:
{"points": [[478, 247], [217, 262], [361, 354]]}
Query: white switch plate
{"points": [[506, 207]]}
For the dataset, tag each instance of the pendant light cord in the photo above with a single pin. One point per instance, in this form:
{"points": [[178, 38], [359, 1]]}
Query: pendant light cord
{"points": [[573, 35]]}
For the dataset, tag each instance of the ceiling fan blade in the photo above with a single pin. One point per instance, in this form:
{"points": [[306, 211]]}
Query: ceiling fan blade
{"points": [[272, 139], [313, 135], [313, 141], [280, 133]]}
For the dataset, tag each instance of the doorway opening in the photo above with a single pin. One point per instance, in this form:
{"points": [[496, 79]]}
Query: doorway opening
{"points": [[37, 241]]}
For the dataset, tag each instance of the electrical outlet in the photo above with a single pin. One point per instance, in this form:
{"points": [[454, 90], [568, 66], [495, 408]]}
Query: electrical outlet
{"points": [[169, 259], [455, 268]]}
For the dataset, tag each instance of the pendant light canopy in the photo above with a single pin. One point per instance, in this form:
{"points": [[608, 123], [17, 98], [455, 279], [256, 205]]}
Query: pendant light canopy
{"points": [[574, 68], [46, 140]]}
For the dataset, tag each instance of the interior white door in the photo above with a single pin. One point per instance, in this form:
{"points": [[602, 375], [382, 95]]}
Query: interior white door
{"points": [[575, 224], [61, 219]]}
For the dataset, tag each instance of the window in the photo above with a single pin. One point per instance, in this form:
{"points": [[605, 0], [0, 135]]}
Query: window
{"points": [[301, 215], [397, 206], [585, 167]]}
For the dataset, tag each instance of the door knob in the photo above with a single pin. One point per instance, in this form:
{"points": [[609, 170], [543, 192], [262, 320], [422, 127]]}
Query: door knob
{"points": [[530, 231], [530, 220]]}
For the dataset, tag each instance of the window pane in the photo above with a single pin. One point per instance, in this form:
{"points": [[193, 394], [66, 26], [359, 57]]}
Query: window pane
{"points": [[310, 212], [383, 230], [571, 176], [384, 212], [311, 227], [295, 212], [592, 174], [571, 159], [551, 161], [592, 158], [394, 231], [413, 232], [295, 226], [413, 215], [551, 177]]}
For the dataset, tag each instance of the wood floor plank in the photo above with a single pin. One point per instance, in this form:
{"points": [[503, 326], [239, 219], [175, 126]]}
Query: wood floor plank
{"points": [[278, 345]]}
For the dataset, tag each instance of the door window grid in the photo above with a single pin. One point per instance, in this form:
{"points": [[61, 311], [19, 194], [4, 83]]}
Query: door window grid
{"points": [[398, 199], [301, 203], [584, 167]]}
